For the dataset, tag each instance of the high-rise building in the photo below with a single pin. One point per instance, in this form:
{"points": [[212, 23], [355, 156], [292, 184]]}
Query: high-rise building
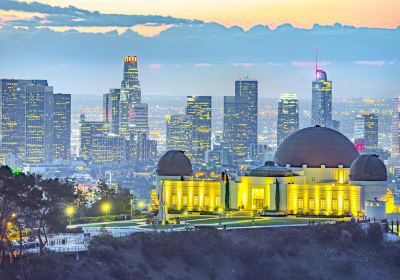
{"points": [[199, 109], [89, 129], [396, 128], [111, 109], [248, 88], [130, 90], [179, 133], [141, 148], [366, 129], [39, 108], [12, 121], [107, 148], [138, 118], [236, 128], [62, 127], [288, 116], [321, 111]]}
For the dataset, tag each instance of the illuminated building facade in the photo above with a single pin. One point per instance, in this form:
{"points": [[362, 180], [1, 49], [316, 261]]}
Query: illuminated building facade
{"points": [[39, 132], [321, 111], [111, 109], [236, 128], [130, 90], [89, 129], [141, 148], [62, 127], [248, 88], [366, 129], [199, 109], [317, 171], [107, 149], [288, 116], [12, 121], [179, 133], [396, 128], [138, 118]]}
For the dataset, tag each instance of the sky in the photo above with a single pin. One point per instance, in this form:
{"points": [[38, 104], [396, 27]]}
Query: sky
{"points": [[201, 47]]}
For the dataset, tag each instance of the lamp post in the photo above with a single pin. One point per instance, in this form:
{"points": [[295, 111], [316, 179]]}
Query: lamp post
{"points": [[70, 211], [254, 212], [220, 215], [106, 207]]}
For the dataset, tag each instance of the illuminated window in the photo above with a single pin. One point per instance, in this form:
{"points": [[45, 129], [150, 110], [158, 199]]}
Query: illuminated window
{"points": [[312, 204], [206, 200], [334, 204], [346, 205], [217, 200], [301, 203], [323, 204], [174, 199], [196, 200], [185, 200]]}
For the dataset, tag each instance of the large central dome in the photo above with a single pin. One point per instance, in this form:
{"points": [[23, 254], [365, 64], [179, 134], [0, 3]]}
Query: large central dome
{"points": [[316, 146]]}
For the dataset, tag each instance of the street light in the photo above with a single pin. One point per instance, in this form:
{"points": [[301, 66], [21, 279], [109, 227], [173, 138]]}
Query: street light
{"points": [[220, 211], [254, 212], [70, 211], [141, 205], [106, 207]]}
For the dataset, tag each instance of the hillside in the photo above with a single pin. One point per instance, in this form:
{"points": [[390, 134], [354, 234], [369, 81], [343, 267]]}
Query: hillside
{"points": [[341, 251]]}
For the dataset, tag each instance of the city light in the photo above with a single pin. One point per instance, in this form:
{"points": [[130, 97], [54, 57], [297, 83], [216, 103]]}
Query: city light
{"points": [[106, 208], [70, 211]]}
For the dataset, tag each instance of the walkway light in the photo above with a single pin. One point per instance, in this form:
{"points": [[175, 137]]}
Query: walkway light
{"points": [[106, 207]]}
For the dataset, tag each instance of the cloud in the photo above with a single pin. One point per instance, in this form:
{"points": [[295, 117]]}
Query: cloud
{"points": [[155, 66], [72, 16], [245, 65], [370, 62], [202, 65], [309, 63]]}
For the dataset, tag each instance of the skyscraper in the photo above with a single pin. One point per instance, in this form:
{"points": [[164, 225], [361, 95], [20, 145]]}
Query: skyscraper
{"points": [[321, 111], [179, 133], [199, 109], [12, 121], [107, 148], [366, 130], [288, 116], [396, 128], [248, 88], [138, 118], [111, 109], [89, 129], [130, 90], [236, 128], [39, 126], [62, 126]]}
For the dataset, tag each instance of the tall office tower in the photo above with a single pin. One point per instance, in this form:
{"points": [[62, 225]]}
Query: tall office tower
{"points": [[89, 129], [62, 127], [111, 109], [39, 108], [138, 118], [107, 148], [366, 130], [236, 128], [321, 111], [179, 133], [396, 128], [199, 109], [288, 116], [248, 88], [12, 121], [130, 90]]}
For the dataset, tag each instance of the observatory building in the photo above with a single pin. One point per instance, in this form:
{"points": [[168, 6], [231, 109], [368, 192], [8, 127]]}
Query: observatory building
{"points": [[316, 170]]}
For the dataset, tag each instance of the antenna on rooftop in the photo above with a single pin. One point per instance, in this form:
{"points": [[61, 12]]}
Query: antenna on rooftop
{"points": [[316, 63]]}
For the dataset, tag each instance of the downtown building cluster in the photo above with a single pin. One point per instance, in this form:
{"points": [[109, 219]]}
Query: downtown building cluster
{"points": [[123, 134], [35, 124]]}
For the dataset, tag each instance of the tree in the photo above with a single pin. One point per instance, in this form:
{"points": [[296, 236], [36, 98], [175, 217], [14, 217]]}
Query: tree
{"points": [[225, 178], [277, 195], [104, 191]]}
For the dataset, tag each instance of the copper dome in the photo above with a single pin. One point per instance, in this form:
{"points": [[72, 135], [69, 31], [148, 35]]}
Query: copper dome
{"points": [[368, 168], [316, 146], [174, 163]]}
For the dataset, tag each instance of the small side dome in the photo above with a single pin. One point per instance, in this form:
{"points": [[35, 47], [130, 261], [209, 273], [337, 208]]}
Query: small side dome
{"points": [[174, 163], [368, 168], [269, 163]]}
